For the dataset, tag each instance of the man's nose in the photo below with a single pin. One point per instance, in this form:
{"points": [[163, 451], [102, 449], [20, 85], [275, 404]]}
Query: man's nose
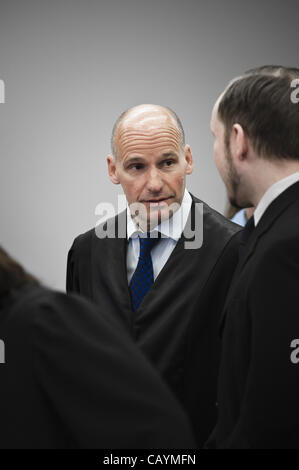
{"points": [[154, 182]]}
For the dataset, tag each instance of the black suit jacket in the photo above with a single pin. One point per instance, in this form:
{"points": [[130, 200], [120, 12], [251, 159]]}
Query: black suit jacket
{"points": [[73, 379], [176, 326], [259, 383]]}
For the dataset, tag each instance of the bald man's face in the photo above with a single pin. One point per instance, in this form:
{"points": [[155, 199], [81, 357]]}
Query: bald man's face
{"points": [[151, 166]]}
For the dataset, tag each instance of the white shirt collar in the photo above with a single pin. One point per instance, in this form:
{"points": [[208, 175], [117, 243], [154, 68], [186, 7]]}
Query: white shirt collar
{"points": [[272, 193], [170, 228]]}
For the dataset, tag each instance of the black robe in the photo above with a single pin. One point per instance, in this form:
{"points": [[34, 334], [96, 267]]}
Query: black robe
{"points": [[176, 326], [72, 379]]}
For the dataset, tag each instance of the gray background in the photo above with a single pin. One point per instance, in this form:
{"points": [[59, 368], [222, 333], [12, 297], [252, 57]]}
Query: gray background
{"points": [[71, 67]]}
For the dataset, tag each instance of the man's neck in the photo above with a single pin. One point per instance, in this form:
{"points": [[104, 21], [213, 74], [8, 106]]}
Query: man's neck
{"points": [[269, 173]]}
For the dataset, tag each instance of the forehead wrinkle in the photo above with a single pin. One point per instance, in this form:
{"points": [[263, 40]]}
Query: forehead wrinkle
{"points": [[167, 149], [131, 137], [157, 130], [128, 153], [141, 143], [138, 137], [147, 117], [152, 142], [161, 140]]}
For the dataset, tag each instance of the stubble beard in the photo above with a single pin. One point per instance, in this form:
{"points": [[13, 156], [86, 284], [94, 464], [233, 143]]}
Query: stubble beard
{"points": [[233, 180]]}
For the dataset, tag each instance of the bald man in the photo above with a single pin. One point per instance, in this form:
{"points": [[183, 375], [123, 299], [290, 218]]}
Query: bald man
{"points": [[166, 275]]}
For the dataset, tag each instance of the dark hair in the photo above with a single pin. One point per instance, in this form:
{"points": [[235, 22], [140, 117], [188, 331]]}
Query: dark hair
{"points": [[125, 113], [12, 275], [261, 103], [275, 71]]}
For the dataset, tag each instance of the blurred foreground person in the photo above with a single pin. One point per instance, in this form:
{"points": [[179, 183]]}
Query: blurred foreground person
{"points": [[71, 379]]}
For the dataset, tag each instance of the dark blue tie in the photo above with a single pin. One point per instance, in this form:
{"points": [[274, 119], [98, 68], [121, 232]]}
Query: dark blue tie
{"points": [[143, 277], [247, 231]]}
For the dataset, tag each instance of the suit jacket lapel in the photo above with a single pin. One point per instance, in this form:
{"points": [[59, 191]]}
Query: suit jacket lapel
{"points": [[109, 269], [188, 262], [275, 209]]}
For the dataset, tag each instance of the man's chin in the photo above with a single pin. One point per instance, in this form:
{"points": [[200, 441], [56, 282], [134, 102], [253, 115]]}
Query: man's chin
{"points": [[235, 203], [151, 214], [153, 220], [163, 212]]}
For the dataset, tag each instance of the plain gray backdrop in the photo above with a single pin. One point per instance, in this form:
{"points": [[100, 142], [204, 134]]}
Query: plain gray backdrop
{"points": [[70, 67]]}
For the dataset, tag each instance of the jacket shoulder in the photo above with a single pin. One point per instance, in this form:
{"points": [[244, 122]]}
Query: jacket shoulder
{"points": [[83, 240], [114, 225]]}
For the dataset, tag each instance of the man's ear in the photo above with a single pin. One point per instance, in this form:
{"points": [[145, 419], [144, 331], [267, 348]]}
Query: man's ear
{"points": [[189, 160], [112, 170], [239, 144]]}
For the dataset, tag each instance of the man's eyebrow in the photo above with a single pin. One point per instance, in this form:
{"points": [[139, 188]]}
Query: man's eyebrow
{"points": [[133, 160], [169, 154]]}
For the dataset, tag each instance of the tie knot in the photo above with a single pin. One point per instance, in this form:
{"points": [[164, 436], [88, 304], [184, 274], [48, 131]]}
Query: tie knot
{"points": [[147, 243]]}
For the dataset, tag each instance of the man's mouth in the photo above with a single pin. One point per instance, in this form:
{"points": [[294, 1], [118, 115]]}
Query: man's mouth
{"points": [[161, 201]]}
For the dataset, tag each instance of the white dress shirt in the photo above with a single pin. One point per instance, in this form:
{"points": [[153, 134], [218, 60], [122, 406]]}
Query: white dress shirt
{"points": [[272, 193], [171, 231]]}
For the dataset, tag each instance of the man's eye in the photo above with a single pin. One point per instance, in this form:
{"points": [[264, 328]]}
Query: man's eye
{"points": [[136, 166], [168, 162]]}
